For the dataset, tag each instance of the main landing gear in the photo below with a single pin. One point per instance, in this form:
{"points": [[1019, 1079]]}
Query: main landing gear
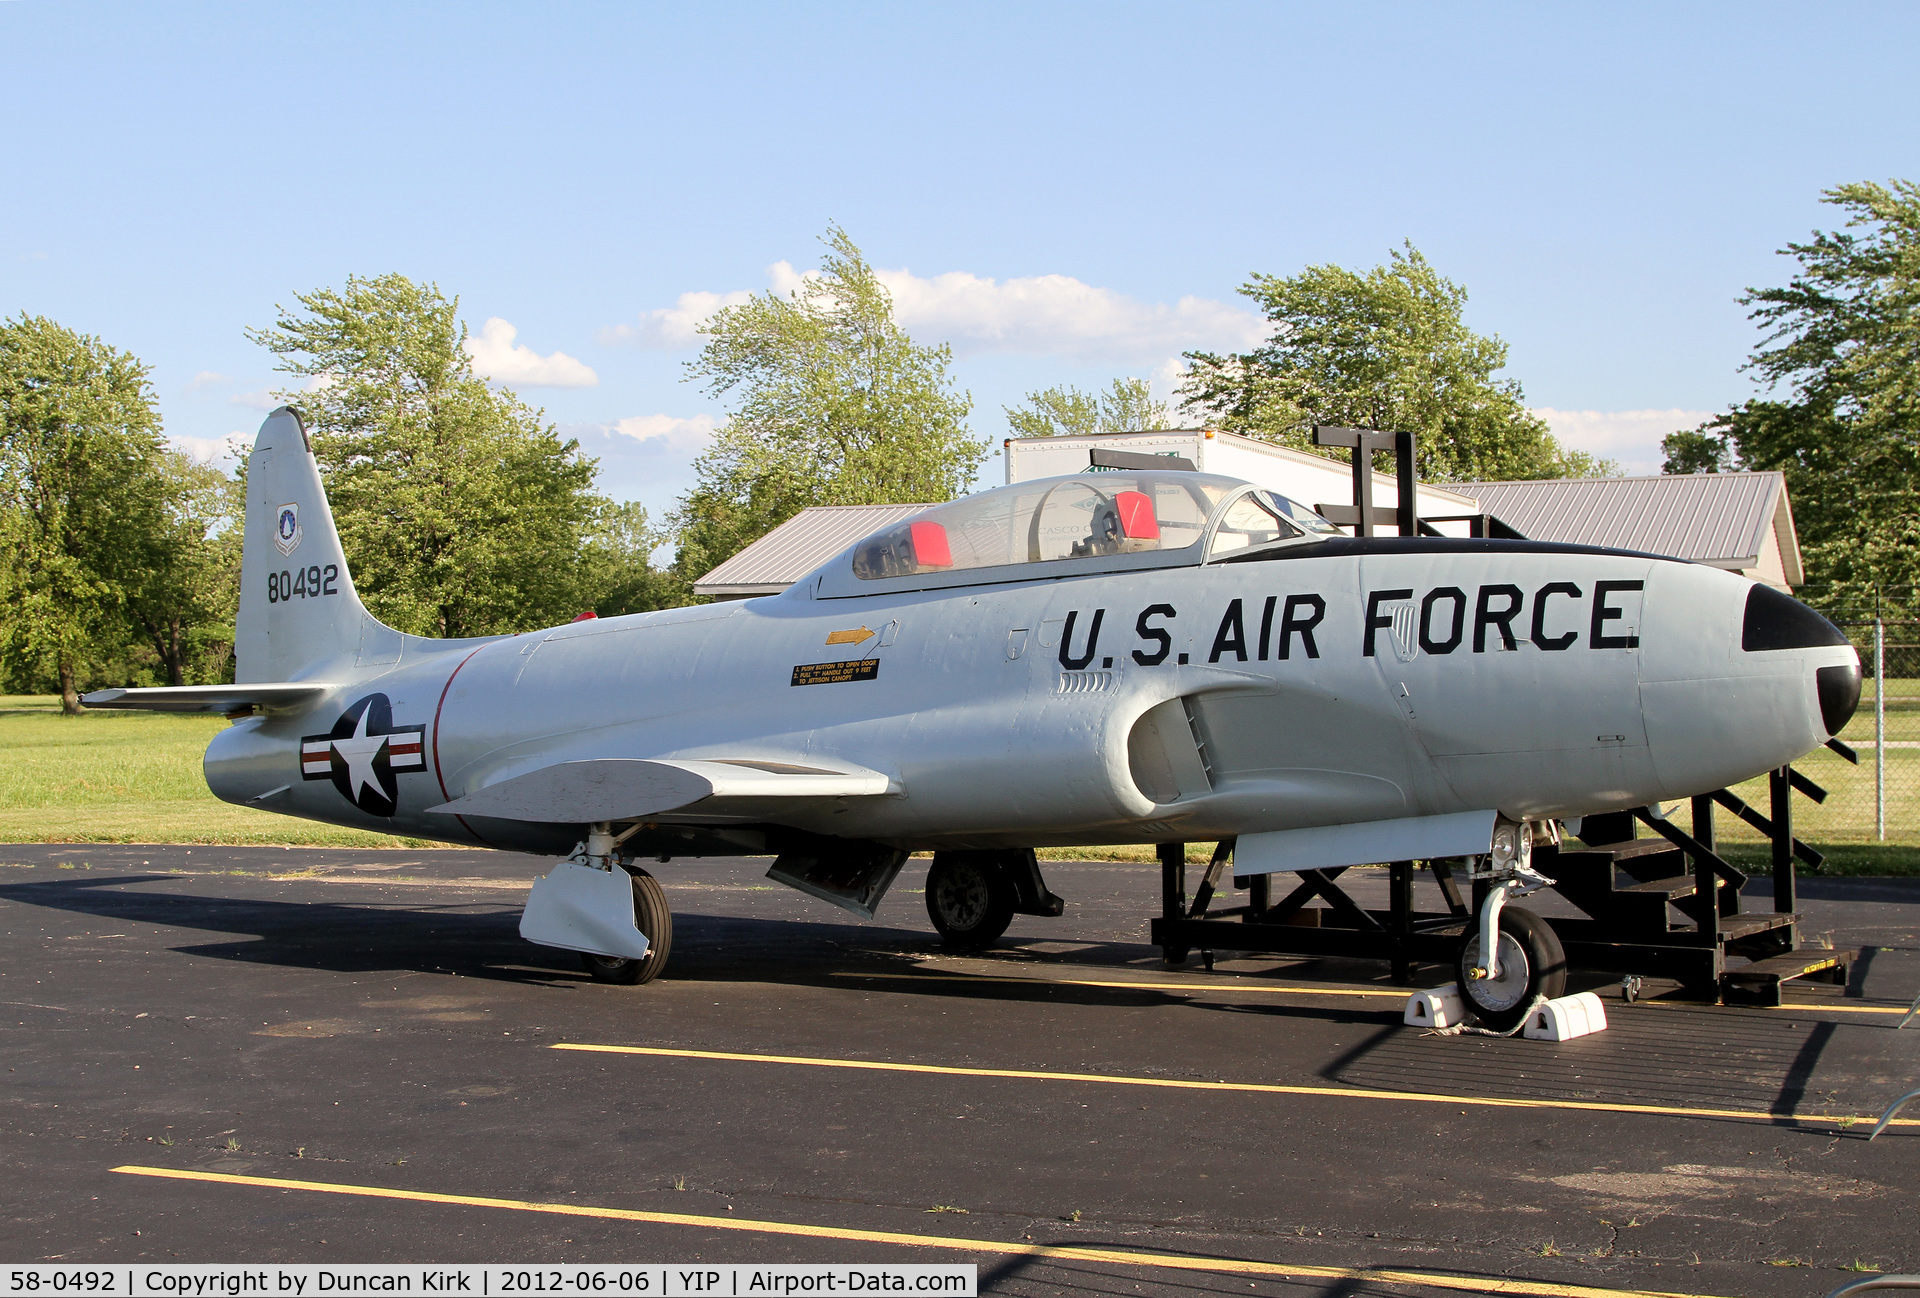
{"points": [[973, 896], [655, 922]]}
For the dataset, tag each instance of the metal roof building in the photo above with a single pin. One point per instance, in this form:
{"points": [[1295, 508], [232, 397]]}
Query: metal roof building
{"points": [[1738, 521], [796, 547]]}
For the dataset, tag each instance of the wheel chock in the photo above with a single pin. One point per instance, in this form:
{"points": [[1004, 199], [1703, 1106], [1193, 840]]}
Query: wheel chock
{"points": [[1437, 1007], [1566, 1017]]}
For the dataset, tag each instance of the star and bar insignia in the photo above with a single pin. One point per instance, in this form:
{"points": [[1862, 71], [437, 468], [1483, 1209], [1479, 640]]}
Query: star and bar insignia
{"points": [[364, 754]]}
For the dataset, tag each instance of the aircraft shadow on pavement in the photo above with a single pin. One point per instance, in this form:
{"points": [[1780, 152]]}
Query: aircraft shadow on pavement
{"points": [[481, 940], [1683, 1055]]}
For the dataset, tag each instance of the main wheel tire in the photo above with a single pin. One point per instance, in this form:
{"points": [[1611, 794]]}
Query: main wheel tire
{"points": [[1532, 964], [654, 920], [970, 898]]}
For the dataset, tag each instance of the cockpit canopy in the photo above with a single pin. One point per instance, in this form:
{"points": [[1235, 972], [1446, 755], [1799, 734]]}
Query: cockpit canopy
{"points": [[1086, 517]]}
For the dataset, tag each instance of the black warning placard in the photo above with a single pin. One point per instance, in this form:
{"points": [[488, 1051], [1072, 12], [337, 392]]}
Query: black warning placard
{"points": [[836, 673]]}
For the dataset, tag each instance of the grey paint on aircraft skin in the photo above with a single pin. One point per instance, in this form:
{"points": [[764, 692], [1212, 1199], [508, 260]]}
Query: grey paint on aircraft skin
{"points": [[981, 729]]}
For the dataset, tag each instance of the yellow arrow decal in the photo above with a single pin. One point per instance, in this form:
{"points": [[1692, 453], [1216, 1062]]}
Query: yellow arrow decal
{"points": [[855, 636]]}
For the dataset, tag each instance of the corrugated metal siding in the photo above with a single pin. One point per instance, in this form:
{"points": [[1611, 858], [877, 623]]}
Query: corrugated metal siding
{"points": [[799, 545], [1710, 517]]}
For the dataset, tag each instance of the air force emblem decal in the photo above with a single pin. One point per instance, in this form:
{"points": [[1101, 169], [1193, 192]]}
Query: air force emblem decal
{"points": [[365, 754], [286, 528]]}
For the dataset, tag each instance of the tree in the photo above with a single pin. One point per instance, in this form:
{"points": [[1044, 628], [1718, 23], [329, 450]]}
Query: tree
{"points": [[1388, 350], [1842, 357], [617, 563], [1127, 406], [1697, 451], [82, 496], [834, 405], [461, 511], [187, 589]]}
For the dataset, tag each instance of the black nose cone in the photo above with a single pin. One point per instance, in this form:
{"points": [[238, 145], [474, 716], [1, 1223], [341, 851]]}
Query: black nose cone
{"points": [[1776, 621], [1839, 695]]}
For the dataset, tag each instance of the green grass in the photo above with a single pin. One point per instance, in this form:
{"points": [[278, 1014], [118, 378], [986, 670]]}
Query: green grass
{"points": [[1847, 816], [1871, 860], [130, 777]]}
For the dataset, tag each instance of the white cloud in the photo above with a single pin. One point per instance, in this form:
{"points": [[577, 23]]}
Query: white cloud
{"points": [[1042, 315], [677, 327], [214, 450], [1631, 437], [647, 435], [1058, 315], [207, 379], [648, 458], [261, 400], [497, 357]]}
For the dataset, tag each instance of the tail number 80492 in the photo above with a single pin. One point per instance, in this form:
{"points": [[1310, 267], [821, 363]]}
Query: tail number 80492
{"points": [[303, 582]]}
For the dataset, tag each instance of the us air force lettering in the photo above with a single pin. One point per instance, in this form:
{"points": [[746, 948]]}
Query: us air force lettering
{"points": [[1140, 656]]}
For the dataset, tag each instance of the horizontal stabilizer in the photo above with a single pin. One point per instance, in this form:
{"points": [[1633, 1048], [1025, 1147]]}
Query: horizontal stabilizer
{"points": [[223, 699], [621, 788], [1410, 838]]}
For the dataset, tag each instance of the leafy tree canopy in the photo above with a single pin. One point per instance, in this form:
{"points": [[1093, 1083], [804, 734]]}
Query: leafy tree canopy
{"points": [[461, 510], [1697, 451], [1387, 349], [1127, 406], [1842, 357], [84, 498], [833, 405]]}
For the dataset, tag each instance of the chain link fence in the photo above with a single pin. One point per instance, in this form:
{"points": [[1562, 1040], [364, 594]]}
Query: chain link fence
{"points": [[1877, 801]]}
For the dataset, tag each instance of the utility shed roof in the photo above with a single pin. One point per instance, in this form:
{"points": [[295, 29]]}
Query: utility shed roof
{"points": [[798, 546], [1727, 520]]}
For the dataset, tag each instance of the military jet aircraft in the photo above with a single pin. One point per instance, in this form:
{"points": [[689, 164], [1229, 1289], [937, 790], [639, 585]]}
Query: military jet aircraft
{"points": [[1127, 657]]}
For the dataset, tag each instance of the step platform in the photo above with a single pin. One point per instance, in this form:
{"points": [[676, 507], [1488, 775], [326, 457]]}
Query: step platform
{"points": [[1760, 983]]}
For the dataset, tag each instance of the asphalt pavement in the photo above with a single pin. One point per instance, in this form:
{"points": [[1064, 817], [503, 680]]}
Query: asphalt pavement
{"points": [[311, 1055]]}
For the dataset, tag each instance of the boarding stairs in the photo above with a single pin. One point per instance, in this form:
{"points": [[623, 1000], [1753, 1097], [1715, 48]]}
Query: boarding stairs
{"points": [[1663, 905], [1670, 905]]}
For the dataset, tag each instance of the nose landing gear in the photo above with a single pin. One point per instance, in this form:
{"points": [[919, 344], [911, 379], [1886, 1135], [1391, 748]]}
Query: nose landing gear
{"points": [[1511, 956]]}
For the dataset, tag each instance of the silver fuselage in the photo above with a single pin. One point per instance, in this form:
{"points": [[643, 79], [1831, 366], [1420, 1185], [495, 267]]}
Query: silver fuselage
{"points": [[1437, 677]]}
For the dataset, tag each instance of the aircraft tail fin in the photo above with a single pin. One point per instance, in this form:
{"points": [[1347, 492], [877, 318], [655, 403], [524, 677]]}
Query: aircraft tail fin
{"points": [[298, 611]]}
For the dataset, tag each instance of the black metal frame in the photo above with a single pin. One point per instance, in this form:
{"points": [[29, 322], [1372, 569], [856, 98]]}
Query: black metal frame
{"points": [[1405, 936]]}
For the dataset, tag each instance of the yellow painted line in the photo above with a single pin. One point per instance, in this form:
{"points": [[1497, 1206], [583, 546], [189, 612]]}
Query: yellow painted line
{"points": [[1255, 1088], [1136, 985], [1802, 1007], [1059, 1252], [1307, 989]]}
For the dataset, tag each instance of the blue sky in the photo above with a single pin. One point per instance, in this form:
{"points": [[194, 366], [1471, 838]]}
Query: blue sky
{"points": [[1066, 192]]}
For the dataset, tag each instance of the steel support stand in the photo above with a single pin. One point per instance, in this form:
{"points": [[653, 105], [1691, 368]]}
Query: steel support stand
{"points": [[1879, 727], [1173, 880], [1706, 880], [1400, 920], [1780, 786]]}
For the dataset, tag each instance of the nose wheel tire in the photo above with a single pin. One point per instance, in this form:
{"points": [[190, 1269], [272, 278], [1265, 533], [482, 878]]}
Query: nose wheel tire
{"points": [[652, 918], [1532, 964], [970, 900]]}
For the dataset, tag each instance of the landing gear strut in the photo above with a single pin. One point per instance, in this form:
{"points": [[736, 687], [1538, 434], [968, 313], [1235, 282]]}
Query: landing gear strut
{"points": [[1511, 956]]}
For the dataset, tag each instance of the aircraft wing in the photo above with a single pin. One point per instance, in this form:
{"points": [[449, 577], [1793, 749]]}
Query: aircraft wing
{"points": [[223, 699], [621, 788]]}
